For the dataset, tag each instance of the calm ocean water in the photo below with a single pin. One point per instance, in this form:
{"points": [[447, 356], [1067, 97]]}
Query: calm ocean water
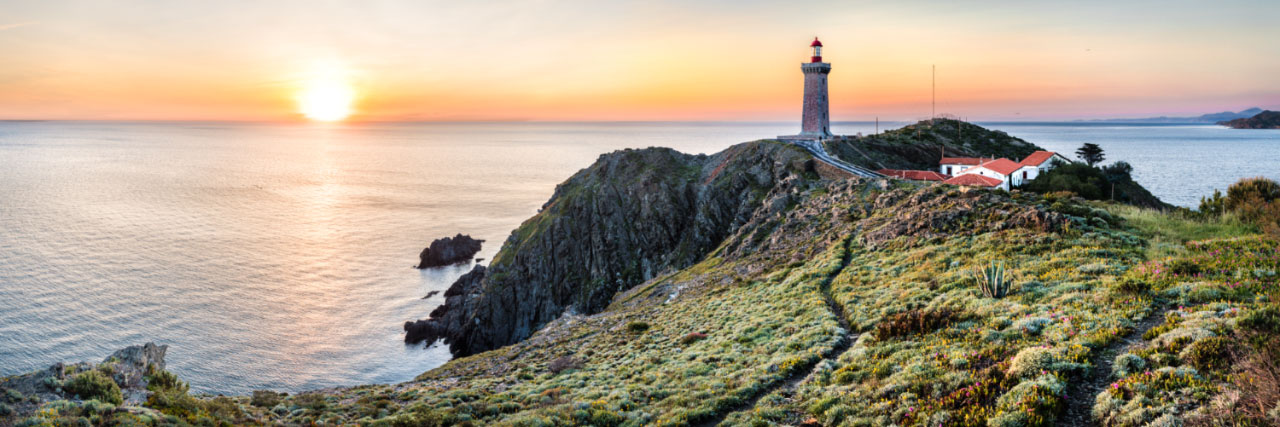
{"points": [[278, 256]]}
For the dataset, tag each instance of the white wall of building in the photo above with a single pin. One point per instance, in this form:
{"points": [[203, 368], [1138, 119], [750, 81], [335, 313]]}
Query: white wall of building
{"points": [[979, 170]]}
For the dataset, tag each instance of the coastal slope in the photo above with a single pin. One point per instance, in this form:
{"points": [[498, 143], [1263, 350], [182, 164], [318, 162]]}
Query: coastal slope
{"points": [[750, 287], [633, 215]]}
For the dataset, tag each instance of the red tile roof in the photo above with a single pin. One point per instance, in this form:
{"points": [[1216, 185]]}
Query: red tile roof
{"points": [[974, 180], [1002, 166], [961, 161], [1038, 158], [915, 175]]}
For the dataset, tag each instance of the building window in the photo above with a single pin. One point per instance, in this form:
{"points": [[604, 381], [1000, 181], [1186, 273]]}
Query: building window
{"points": [[1024, 175], [948, 170]]}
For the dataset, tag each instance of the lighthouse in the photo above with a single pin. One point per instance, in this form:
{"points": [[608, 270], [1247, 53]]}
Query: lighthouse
{"points": [[815, 122]]}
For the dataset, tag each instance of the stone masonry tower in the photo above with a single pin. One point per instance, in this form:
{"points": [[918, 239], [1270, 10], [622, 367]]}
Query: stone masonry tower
{"points": [[816, 121]]}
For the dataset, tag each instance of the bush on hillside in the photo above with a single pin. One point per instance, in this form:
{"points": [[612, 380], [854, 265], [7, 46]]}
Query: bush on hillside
{"points": [[265, 398], [915, 322], [1114, 181], [1254, 200], [1078, 178], [93, 384], [1258, 368], [1250, 191], [1214, 205]]}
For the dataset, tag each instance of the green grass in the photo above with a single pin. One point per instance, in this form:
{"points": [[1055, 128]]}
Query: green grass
{"points": [[1168, 231], [930, 347]]}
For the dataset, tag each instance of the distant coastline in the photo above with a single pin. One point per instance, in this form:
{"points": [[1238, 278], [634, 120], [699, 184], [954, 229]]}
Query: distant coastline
{"points": [[1263, 120], [1211, 118]]}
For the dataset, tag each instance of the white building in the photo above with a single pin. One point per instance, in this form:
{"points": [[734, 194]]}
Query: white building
{"points": [[1038, 162], [999, 173], [951, 166]]}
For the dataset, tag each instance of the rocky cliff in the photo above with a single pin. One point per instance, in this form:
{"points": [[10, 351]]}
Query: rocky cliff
{"points": [[632, 215]]}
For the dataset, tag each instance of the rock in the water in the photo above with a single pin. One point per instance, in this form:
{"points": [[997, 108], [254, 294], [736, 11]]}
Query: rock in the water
{"points": [[444, 322], [449, 250]]}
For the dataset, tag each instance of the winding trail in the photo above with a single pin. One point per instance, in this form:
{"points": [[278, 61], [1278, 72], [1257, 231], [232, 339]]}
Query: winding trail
{"points": [[804, 373], [1083, 392]]}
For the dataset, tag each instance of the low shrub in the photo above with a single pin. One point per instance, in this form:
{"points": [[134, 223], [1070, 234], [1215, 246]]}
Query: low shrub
{"points": [[165, 380], [1031, 361], [1257, 373], [1127, 364], [93, 384], [1208, 354], [637, 327], [692, 338], [1031, 403], [1183, 267], [13, 395], [1246, 194], [315, 401], [1130, 285], [564, 363], [264, 398], [915, 322]]}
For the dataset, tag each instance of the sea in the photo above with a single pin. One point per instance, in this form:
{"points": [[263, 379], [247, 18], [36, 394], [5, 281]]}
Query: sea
{"points": [[279, 256]]}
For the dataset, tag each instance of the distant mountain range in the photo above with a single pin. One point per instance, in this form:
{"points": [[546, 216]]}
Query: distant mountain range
{"points": [[1206, 118]]}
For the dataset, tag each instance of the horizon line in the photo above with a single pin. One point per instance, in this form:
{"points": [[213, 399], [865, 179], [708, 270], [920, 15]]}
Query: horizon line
{"points": [[1135, 120]]}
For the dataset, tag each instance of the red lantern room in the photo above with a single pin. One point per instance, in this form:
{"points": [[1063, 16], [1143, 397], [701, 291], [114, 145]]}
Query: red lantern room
{"points": [[817, 50]]}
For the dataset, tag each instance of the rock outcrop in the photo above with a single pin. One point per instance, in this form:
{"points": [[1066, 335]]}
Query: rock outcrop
{"points": [[926, 215], [449, 250], [128, 368], [443, 318], [630, 216]]}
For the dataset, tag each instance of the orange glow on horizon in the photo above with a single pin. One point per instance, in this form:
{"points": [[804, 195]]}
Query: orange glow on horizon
{"points": [[653, 61]]}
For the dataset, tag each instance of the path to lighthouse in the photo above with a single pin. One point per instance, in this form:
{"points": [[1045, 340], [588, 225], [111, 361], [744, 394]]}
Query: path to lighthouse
{"points": [[815, 148]]}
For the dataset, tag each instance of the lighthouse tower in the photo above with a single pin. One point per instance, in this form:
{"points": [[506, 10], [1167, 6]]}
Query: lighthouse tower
{"points": [[815, 123]]}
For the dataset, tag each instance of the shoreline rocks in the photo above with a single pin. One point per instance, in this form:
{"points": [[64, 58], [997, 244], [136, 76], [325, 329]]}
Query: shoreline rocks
{"points": [[613, 225], [446, 320], [449, 250]]}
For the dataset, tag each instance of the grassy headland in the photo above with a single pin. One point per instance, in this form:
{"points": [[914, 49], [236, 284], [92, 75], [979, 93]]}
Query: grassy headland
{"points": [[825, 302]]}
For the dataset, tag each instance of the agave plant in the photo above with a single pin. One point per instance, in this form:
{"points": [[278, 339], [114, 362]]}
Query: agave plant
{"points": [[993, 281]]}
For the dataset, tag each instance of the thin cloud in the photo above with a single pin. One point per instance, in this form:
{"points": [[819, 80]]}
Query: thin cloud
{"points": [[16, 25]]}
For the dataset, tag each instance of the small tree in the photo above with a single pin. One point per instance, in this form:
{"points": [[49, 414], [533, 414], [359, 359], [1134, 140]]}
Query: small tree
{"points": [[1090, 153], [1118, 172], [1215, 205]]}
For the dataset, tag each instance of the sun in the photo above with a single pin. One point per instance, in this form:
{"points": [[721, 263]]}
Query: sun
{"points": [[326, 100]]}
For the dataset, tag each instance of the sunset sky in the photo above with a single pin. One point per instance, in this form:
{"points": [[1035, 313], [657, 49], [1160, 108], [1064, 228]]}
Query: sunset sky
{"points": [[644, 60]]}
